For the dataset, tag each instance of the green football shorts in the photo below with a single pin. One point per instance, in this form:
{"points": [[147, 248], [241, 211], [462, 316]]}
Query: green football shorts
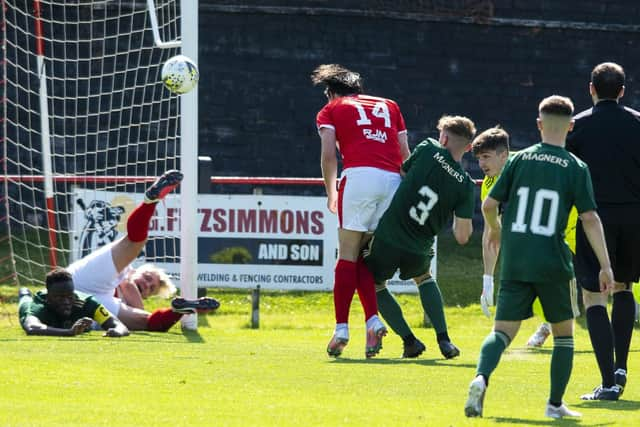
{"points": [[559, 300], [384, 259]]}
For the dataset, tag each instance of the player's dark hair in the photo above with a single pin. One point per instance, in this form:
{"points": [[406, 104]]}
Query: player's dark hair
{"points": [[494, 138], [338, 79], [556, 105], [457, 125], [58, 275], [608, 79]]}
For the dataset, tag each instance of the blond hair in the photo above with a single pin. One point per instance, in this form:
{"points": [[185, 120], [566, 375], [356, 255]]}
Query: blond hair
{"points": [[166, 288], [459, 128]]}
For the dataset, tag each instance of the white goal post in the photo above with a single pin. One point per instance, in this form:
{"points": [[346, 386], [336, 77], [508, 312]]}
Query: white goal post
{"points": [[189, 125], [84, 107]]}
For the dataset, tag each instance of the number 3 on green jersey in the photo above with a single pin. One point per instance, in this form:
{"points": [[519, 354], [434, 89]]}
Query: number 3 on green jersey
{"points": [[420, 212]]}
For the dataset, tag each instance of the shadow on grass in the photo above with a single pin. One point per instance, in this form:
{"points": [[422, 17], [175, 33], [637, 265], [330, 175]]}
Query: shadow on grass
{"points": [[189, 335], [9, 299], [421, 362], [167, 338], [563, 421], [620, 405], [136, 336], [549, 350], [193, 336]]}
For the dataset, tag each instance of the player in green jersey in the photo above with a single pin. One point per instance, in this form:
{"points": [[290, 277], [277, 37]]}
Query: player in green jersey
{"points": [[434, 188], [540, 185], [541, 334], [60, 311]]}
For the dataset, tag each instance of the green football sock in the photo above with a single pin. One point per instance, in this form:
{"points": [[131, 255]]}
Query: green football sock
{"points": [[432, 304], [392, 313], [561, 365], [492, 348]]}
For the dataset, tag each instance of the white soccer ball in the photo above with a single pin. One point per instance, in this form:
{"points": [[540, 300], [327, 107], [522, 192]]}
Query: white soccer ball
{"points": [[180, 74]]}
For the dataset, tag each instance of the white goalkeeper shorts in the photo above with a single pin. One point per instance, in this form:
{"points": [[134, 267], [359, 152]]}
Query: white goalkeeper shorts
{"points": [[364, 193], [96, 274]]}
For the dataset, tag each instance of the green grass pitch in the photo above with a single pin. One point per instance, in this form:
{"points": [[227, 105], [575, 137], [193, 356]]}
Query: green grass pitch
{"points": [[228, 374]]}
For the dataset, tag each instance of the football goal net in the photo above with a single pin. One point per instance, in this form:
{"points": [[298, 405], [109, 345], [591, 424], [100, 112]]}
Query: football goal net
{"points": [[88, 125]]}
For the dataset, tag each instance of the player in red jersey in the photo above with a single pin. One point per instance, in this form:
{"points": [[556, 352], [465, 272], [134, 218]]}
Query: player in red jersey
{"points": [[371, 136]]}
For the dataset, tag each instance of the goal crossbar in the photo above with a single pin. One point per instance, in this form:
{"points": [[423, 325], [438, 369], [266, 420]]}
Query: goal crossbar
{"points": [[268, 180]]}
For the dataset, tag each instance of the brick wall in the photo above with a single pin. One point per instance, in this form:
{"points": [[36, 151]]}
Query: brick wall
{"points": [[490, 60]]}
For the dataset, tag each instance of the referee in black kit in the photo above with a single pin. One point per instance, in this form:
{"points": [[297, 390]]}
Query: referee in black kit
{"points": [[607, 138]]}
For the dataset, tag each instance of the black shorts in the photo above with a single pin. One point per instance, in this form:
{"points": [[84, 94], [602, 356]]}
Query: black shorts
{"points": [[623, 241], [383, 260]]}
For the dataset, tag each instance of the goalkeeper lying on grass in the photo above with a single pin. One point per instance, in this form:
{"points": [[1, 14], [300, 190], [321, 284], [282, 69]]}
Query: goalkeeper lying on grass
{"points": [[108, 276], [60, 311]]}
